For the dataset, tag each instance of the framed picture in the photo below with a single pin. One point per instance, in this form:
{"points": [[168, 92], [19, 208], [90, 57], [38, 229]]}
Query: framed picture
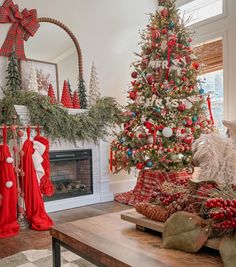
{"points": [[44, 73]]}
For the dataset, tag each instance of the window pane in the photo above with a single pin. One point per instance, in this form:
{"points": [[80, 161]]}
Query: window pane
{"points": [[199, 10], [213, 82]]}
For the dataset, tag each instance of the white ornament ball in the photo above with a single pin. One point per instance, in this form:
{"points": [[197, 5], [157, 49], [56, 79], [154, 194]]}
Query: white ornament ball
{"points": [[150, 139], [188, 105], [167, 132], [9, 160], [9, 184], [177, 158]]}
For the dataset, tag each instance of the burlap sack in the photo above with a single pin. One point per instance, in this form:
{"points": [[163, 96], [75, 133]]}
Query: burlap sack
{"points": [[185, 231], [228, 251]]}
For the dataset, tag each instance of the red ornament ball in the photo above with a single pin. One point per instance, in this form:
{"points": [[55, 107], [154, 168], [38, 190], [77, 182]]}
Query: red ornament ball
{"points": [[140, 166], [188, 59], [189, 122], [133, 95], [150, 79], [196, 65], [188, 140], [164, 31], [134, 74], [20, 133], [165, 12], [181, 107]]}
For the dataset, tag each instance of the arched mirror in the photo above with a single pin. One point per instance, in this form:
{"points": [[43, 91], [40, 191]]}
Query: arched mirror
{"points": [[51, 55]]}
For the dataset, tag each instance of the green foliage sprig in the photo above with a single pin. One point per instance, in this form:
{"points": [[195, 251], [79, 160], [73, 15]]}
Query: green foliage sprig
{"points": [[55, 120]]}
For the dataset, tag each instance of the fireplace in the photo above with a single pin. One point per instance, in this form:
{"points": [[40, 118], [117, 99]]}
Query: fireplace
{"points": [[71, 173]]}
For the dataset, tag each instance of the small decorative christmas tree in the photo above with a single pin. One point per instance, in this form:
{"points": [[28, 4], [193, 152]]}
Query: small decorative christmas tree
{"points": [[94, 92], [75, 100], [51, 94], [33, 83], [70, 90], [65, 97], [13, 75], [82, 95]]}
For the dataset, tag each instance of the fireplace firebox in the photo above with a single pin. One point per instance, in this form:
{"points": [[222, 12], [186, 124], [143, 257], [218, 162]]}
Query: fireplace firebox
{"points": [[71, 173]]}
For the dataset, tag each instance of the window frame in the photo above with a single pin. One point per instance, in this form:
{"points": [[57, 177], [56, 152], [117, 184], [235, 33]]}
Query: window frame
{"points": [[209, 20]]}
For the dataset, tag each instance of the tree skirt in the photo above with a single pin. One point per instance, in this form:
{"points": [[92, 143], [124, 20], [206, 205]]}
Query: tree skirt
{"points": [[146, 185], [43, 258]]}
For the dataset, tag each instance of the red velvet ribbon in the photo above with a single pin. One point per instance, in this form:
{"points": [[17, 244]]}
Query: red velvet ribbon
{"points": [[210, 110], [116, 161], [111, 159], [25, 24], [170, 44], [157, 128]]}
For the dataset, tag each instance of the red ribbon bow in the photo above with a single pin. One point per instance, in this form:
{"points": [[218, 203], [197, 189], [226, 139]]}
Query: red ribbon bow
{"points": [[172, 40], [25, 24]]}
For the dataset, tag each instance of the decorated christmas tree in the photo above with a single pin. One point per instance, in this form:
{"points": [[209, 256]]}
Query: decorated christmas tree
{"points": [[75, 100], [65, 97], [51, 94], [94, 92], [13, 75], [70, 90], [82, 95], [165, 111], [33, 83]]}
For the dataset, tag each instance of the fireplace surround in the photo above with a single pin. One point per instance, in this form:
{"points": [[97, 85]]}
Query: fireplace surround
{"points": [[100, 186]]}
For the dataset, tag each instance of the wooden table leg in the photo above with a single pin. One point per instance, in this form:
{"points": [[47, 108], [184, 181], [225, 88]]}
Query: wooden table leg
{"points": [[56, 252]]}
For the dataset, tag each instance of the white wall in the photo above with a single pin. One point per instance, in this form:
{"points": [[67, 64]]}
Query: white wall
{"points": [[109, 36]]}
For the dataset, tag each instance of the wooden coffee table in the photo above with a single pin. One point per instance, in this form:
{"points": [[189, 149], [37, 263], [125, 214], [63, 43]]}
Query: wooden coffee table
{"points": [[107, 240]]}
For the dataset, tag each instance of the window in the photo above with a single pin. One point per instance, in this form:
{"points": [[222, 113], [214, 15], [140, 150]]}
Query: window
{"points": [[211, 56], [213, 82], [198, 10]]}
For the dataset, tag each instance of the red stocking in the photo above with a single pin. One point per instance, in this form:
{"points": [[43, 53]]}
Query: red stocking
{"points": [[46, 185], [8, 192], [35, 210]]}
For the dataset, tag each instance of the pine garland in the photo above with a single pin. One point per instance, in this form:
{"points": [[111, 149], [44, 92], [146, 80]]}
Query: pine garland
{"points": [[55, 120]]}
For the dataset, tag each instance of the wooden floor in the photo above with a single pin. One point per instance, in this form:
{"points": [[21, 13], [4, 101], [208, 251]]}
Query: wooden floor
{"points": [[29, 239]]}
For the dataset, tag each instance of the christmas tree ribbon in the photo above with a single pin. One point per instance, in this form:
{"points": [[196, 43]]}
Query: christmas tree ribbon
{"points": [[25, 24], [111, 159], [210, 110], [172, 39]]}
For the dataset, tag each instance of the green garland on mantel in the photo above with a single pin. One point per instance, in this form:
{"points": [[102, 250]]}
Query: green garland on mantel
{"points": [[56, 122]]}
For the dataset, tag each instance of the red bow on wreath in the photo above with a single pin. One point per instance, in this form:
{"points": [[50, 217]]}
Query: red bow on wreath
{"points": [[25, 24]]}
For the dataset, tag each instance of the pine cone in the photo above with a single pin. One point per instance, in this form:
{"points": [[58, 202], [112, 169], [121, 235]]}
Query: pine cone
{"points": [[153, 212]]}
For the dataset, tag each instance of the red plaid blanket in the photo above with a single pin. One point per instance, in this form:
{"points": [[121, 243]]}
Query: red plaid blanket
{"points": [[146, 184]]}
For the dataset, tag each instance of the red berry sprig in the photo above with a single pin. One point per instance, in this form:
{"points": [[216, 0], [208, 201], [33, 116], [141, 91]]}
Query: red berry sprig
{"points": [[225, 225], [220, 203]]}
